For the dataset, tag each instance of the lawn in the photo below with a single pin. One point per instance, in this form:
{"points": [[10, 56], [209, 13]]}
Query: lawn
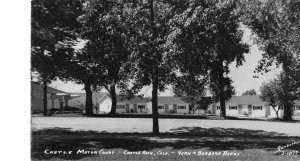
{"points": [[180, 139]]}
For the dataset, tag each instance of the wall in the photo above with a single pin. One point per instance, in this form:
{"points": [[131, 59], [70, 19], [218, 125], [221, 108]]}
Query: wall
{"points": [[273, 113], [255, 113], [147, 110], [163, 111], [131, 108], [37, 103], [183, 111], [119, 110], [258, 113], [280, 112], [105, 106]]}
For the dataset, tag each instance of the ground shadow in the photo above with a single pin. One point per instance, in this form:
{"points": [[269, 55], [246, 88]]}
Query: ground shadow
{"points": [[229, 132], [214, 139]]}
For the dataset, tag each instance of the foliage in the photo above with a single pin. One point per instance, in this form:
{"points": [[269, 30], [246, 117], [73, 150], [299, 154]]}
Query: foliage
{"points": [[250, 92], [273, 92], [207, 39], [190, 89], [53, 24], [270, 92], [276, 24], [150, 55], [106, 33]]}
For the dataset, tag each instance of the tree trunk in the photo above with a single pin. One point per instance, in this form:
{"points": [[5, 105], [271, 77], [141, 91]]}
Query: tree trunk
{"points": [[113, 99], [287, 100], [88, 100], [277, 114], [222, 94], [155, 72], [193, 108], [287, 113], [154, 107], [45, 99], [276, 111]]}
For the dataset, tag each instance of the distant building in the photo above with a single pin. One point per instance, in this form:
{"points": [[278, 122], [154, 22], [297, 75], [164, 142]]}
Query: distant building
{"points": [[102, 104], [295, 110], [250, 106], [246, 105], [56, 99], [79, 102], [166, 105], [170, 105]]}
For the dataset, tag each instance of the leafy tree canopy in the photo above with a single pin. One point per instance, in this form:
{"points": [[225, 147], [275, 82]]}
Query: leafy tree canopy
{"points": [[250, 92]]}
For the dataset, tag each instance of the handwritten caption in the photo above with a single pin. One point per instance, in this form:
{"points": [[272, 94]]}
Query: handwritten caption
{"points": [[282, 150], [144, 152]]}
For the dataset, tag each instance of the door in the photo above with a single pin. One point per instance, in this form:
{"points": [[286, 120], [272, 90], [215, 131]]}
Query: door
{"points": [[240, 107], [166, 108], [127, 108], [214, 109], [135, 108], [175, 108], [249, 109]]}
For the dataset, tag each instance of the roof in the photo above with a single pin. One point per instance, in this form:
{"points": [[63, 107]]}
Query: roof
{"points": [[170, 100], [74, 102], [160, 100], [135, 99], [37, 86], [246, 99], [123, 99], [97, 96]]}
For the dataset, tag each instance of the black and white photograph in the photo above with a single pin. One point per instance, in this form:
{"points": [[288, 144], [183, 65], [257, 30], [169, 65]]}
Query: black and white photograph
{"points": [[160, 80]]}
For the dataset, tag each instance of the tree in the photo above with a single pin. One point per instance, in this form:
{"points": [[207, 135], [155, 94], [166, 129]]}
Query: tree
{"points": [[47, 70], [149, 21], [53, 23], [276, 27], [249, 92], [229, 47], [80, 67], [191, 90], [270, 92], [214, 39], [106, 32]]}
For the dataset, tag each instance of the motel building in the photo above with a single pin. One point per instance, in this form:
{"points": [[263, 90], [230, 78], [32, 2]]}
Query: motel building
{"points": [[295, 110], [56, 99], [238, 106], [139, 105], [170, 105], [249, 106]]}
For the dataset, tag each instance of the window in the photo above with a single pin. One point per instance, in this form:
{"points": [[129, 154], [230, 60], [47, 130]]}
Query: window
{"points": [[280, 107], [218, 107], [232, 107], [141, 106], [257, 107], [160, 107], [296, 108], [120, 106], [180, 107]]}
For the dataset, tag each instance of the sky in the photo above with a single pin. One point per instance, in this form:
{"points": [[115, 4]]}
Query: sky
{"points": [[242, 76]]}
